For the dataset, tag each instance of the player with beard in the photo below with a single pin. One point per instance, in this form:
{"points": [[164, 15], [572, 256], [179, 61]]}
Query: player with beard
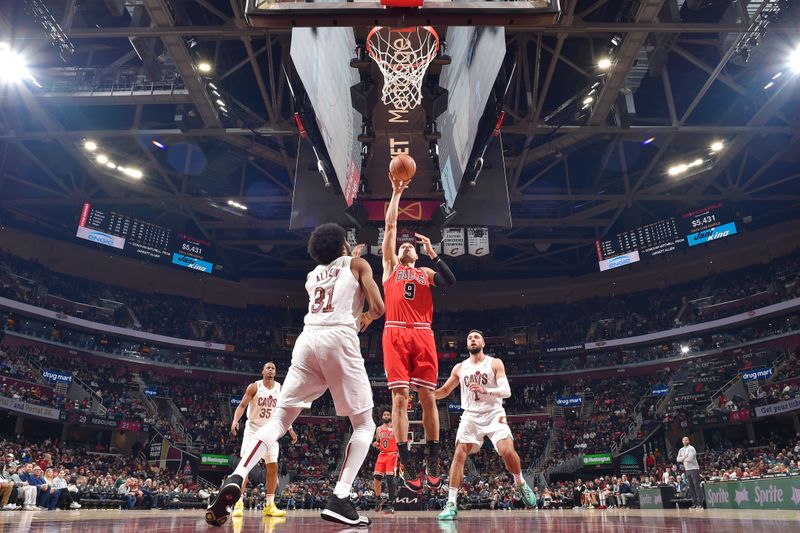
{"points": [[326, 356], [409, 350], [483, 386], [386, 464]]}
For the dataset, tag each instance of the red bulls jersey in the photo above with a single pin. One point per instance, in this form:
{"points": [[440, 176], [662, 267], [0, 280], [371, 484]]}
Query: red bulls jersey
{"points": [[386, 440], [408, 298]]}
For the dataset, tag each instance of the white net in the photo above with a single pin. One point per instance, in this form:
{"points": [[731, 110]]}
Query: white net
{"points": [[403, 56]]}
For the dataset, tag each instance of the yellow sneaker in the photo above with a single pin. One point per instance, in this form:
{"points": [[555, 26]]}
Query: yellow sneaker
{"points": [[272, 510], [238, 509], [237, 522]]}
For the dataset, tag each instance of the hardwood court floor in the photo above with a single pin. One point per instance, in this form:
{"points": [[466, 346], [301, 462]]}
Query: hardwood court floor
{"points": [[623, 521]]}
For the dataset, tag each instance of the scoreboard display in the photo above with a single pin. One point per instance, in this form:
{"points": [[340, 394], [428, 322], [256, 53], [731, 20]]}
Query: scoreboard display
{"points": [[144, 240], [693, 228]]}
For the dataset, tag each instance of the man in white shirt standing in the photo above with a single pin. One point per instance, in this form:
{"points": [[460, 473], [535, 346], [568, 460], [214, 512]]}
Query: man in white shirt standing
{"points": [[688, 457]]}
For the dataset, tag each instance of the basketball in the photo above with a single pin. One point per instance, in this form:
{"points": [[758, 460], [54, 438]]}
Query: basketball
{"points": [[402, 168]]}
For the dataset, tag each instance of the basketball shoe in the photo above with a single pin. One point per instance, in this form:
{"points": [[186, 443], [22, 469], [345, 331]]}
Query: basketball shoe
{"points": [[528, 495], [218, 510], [342, 511], [408, 474], [450, 512], [272, 510]]}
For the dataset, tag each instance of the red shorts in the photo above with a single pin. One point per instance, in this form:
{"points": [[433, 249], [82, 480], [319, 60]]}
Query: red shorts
{"points": [[410, 358], [386, 464]]}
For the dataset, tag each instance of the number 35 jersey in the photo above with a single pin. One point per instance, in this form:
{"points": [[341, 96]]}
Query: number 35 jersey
{"points": [[335, 297], [408, 297], [263, 404]]}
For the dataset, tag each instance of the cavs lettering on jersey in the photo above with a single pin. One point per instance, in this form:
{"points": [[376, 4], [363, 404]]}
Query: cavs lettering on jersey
{"points": [[335, 297], [408, 296], [482, 374], [263, 404], [386, 440]]}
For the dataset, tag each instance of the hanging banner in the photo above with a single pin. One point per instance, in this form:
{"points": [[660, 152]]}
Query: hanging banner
{"points": [[453, 241], [756, 374], [57, 375], [478, 241], [569, 401]]}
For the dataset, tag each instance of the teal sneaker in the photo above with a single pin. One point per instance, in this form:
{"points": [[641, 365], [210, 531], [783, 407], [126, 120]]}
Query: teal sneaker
{"points": [[527, 494], [450, 512]]}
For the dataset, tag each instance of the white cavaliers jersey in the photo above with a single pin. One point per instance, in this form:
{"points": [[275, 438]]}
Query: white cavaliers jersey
{"points": [[263, 404], [335, 297], [481, 373]]}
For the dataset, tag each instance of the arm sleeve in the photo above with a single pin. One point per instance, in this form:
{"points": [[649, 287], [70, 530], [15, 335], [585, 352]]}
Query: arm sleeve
{"points": [[503, 389], [444, 277]]}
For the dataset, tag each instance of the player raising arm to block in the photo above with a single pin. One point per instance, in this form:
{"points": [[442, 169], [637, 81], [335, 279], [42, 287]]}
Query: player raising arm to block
{"points": [[483, 384]]}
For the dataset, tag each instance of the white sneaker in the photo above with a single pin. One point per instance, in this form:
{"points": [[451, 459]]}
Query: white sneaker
{"points": [[29, 508], [74, 505]]}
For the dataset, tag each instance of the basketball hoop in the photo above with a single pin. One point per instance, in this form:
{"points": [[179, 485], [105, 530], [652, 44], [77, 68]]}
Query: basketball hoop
{"points": [[403, 56]]}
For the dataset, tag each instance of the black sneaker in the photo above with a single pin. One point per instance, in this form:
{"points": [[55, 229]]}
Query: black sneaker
{"points": [[229, 493], [342, 511], [432, 478], [379, 505], [389, 509], [409, 477]]}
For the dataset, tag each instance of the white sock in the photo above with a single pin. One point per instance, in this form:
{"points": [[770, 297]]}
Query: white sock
{"points": [[518, 479], [357, 450], [342, 490], [266, 437], [452, 495], [270, 499]]}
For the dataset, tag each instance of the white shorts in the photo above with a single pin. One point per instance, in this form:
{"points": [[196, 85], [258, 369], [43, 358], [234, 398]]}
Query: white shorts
{"points": [[475, 426], [327, 358], [271, 456]]}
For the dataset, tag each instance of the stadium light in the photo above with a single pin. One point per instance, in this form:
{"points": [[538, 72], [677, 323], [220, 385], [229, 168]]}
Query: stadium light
{"points": [[102, 159], [90, 146], [604, 63], [717, 146], [133, 173], [111, 165], [12, 65], [685, 349], [794, 60], [204, 67], [680, 168], [237, 205]]}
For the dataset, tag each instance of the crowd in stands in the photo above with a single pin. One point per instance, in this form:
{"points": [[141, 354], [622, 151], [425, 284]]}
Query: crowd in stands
{"points": [[549, 326], [50, 474]]}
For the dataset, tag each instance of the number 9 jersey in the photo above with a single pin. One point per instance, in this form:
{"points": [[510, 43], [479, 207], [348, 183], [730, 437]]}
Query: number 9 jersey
{"points": [[409, 349]]}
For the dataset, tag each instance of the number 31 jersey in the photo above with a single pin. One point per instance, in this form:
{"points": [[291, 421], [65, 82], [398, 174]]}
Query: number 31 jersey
{"points": [[263, 404], [335, 297], [408, 296]]}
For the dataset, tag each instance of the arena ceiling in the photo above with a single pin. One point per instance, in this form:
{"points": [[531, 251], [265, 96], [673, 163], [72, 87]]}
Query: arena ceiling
{"points": [[572, 179]]}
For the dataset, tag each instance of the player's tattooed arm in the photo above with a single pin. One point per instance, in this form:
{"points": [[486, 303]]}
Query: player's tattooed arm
{"points": [[450, 385]]}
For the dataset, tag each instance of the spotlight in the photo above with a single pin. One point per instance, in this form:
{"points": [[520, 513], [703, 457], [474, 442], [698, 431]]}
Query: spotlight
{"points": [[220, 103], [588, 100], [685, 349], [133, 172], [212, 86], [90, 146], [111, 165], [648, 141], [677, 169], [12, 66], [204, 67], [717, 146], [770, 84], [158, 144], [794, 60], [102, 159], [695, 163], [604, 63]]}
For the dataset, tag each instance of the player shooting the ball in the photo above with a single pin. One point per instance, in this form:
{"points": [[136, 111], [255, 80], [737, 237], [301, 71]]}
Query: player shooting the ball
{"points": [[409, 349]]}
